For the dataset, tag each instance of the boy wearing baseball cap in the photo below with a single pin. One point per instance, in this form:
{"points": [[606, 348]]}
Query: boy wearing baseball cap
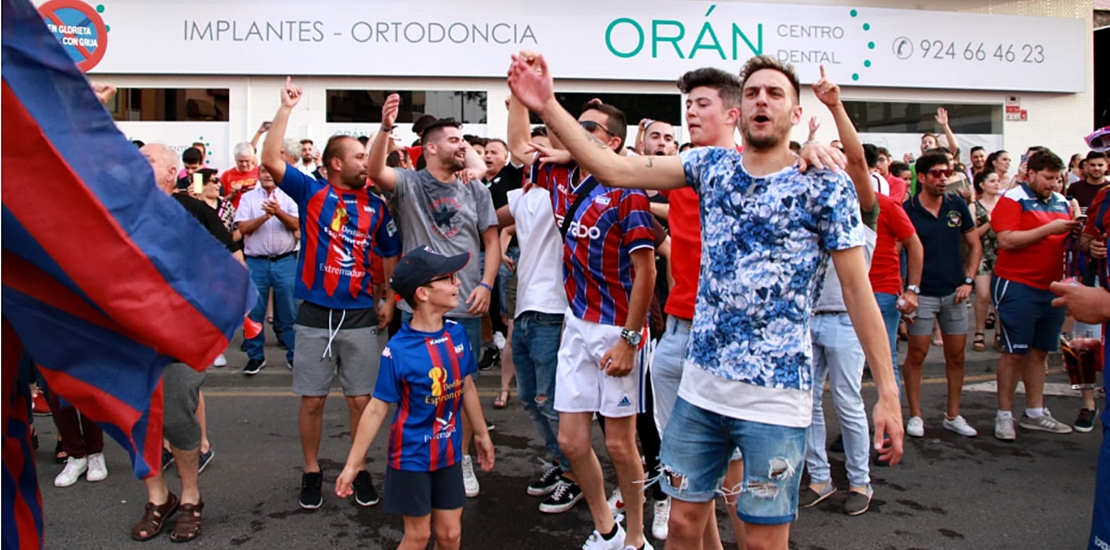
{"points": [[426, 370]]}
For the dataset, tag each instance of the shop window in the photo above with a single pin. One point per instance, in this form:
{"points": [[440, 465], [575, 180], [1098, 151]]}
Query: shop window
{"points": [[170, 105], [918, 118], [366, 105]]}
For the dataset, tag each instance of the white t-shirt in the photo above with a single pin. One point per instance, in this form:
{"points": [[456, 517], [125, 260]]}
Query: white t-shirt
{"points": [[539, 284]]}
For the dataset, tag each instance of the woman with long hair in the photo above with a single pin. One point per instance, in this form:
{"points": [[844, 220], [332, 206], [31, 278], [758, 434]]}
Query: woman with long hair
{"points": [[999, 162], [988, 190]]}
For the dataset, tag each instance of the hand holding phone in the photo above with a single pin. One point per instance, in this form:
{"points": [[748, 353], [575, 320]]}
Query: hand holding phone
{"points": [[198, 183]]}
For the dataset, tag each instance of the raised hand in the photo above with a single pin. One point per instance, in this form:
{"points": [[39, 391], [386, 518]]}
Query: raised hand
{"points": [[813, 126], [942, 117], [389, 110], [530, 80], [290, 94], [104, 92], [827, 92]]}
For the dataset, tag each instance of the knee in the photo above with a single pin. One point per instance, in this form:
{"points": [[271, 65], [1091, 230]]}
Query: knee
{"points": [[448, 536], [418, 537], [573, 447], [313, 406], [621, 450], [683, 527]]}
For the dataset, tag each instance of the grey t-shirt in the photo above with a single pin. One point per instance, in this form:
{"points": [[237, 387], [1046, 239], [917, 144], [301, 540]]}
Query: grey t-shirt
{"points": [[832, 294], [449, 217]]}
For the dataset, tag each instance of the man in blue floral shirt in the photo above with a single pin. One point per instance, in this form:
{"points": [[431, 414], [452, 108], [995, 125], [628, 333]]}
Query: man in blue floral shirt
{"points": [[768, 230]]}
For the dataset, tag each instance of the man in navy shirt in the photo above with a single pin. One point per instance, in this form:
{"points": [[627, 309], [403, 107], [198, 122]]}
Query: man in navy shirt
{"points": [[941, 221]]}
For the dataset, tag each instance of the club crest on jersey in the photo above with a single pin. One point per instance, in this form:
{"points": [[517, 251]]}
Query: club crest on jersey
{"points": [[602, 200], [954, 219], [390, 228], [439, 381], [340, 218], [459, 350]]}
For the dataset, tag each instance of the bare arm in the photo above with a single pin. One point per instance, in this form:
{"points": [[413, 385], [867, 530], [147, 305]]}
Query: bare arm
{"points": [[474, 162], [942, 119], [1016, 240], [535, 90], [851, 267], [915, 253], [505, 217], [250, 226], [829, 94], [472, 412], [271, 148], [389, 305], [368, 426], [288, 220], [661, 210], [257, 136], [618, 361], [974, 254], [519, 133], [383, 176]]}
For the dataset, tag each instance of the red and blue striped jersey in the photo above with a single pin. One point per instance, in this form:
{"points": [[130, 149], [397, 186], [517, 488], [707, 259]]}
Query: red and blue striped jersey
{"points": [[1041, 263], [340, 231], [597, 262], [425, 374]]}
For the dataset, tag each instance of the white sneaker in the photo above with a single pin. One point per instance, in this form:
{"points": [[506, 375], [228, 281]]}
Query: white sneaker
{"points": [[616, 503], [596, 542], [98, 470], [220, 361], [662, 516], [499, 340], [915, 427], [960, 426], [470, 481], [647, 546], [1004, 429], [75, 467]]}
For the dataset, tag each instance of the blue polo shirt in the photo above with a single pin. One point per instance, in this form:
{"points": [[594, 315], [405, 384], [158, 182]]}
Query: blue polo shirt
{"points": [[941, 236]]}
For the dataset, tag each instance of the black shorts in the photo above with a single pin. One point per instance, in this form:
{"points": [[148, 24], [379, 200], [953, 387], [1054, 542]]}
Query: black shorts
{"points": [[416, 494]]}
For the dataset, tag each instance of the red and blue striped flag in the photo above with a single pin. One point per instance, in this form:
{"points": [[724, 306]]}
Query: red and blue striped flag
{"points": [[105, 276]]}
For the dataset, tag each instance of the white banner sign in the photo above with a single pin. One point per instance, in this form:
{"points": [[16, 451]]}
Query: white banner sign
{"points": [[651, 40], [179, 136]]}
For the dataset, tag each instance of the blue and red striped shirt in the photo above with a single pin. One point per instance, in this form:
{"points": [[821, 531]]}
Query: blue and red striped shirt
{"points": [[425, 374], [340, 231], [597, 252]]}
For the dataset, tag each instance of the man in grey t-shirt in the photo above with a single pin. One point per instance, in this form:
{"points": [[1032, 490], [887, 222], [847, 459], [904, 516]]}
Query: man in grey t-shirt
{"points": [[452, 216]]}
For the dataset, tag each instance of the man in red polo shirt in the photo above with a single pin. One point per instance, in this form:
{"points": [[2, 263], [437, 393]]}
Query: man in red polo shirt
{"points": [[1032, 222]]}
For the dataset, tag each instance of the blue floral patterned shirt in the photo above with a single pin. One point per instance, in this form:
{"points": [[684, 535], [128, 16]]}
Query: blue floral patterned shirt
{"points": [[765, 243]]}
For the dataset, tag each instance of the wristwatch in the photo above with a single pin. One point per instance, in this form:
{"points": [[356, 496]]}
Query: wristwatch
{"points": [[969, 281], [633, 338], [914, 289]]}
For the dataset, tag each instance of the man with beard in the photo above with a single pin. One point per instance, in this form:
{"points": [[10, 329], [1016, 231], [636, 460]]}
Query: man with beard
{"points": [[336, 329], [746, 378], [439, 210]]}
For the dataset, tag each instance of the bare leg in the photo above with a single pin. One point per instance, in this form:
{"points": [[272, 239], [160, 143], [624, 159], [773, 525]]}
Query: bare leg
{"points": [[688, 524], [187, 464], [447, 527], [1088, 397], [202, 418], [620, 441], [508, 370], [733, 478], [310, 420], [1033, 375], [768, 537], [911, 371], [417, 533], [574, 440], [1009, 371], [954, 345]]}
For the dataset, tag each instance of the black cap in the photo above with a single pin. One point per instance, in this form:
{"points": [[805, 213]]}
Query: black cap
{"points": [[420, 266]]}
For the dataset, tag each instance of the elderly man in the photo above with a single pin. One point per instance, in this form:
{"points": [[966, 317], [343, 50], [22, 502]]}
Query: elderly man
{"points": [[181, 387], [243, 176], [267, 218]]}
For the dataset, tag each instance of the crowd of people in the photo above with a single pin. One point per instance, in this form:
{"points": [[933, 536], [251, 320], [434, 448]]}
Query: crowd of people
{"points": [[694, 299]]}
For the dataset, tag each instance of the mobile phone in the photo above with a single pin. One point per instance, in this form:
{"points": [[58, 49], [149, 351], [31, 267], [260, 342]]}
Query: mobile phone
{"points": [[1023, 158], [198, 183], [1082, 219]]}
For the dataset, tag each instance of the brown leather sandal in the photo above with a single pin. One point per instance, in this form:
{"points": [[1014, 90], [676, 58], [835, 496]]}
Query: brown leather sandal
{"points": [[154, 518], [188, 522]]}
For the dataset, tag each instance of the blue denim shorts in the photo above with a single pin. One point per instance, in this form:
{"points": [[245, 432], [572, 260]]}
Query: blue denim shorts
{"points": [[698, 445]]}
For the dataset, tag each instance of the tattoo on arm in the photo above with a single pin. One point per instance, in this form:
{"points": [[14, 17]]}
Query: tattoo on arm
{"points": [[651, 162], [593, 139]]}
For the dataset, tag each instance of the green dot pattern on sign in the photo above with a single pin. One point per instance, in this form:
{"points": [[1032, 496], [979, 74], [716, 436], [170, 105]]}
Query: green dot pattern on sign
{"points": [[867, 26], [853, 13], [855, 76], [108, 28], [867, 63], [871, 45], [100, 8]]}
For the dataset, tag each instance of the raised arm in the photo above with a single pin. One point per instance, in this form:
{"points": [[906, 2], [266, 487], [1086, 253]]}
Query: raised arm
{"points": [[519, 133], [829, 94], [383, 176], [271, 148], [942, 119], [531, 83], [262, 129]]}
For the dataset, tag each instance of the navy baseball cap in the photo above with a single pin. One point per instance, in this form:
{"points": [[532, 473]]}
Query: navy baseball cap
{"points": [[420, 266]]}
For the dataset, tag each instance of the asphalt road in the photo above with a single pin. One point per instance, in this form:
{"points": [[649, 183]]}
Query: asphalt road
{"points": [[949, 492]]}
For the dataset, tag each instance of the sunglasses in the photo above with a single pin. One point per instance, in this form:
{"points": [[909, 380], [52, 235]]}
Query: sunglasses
{"points": [[590, 126], [940, 173]]}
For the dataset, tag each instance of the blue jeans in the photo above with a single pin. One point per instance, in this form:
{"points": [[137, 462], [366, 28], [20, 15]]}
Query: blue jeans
{"points": [[888, 306], [698, 445], [535, 354], [280, 276], [838, 355], [503, 276], [666, 368]]}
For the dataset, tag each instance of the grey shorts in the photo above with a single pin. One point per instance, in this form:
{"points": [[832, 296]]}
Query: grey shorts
{"points": [[354, 353], [181, 395], [952, 316]]}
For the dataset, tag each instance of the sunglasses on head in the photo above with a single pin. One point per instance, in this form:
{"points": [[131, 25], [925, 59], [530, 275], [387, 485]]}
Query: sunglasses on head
{"points": [[590, 126], [940, 172]]}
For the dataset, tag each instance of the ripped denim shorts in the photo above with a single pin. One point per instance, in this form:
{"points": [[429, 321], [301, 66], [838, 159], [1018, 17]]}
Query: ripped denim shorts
{"points": [[698, 445]]}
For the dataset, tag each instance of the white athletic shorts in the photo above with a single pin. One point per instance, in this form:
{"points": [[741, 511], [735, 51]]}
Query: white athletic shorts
{"points": [[581, 385]]}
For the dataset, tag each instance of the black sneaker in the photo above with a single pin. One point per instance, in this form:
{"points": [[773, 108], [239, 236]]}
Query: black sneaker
{"points": [[490, 355], [204, 459], [837, 445], [365, 495], [1085, 422], [167, 458], [566, 494], [311, 484], [253, 366], [547, 482]]}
